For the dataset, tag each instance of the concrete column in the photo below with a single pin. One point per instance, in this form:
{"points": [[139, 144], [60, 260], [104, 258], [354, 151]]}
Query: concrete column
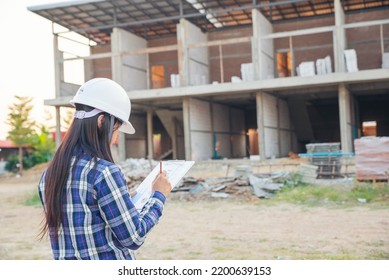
{"points": [[116, 62], [58, 136], [339, 37], [129, 71], [261, 126], [345, 118], [187, 136], [150, 146], [183, 57], [174, 138], [58, 75]]}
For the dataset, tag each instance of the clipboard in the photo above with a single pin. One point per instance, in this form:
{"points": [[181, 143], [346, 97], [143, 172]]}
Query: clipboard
{"points": [[175, 171]]}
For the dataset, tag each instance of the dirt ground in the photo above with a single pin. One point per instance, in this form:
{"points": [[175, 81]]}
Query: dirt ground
{"points": [[218, 229]]}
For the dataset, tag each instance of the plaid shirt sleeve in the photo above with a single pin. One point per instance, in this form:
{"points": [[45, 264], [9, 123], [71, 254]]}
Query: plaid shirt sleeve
{"points": [[116, 208]]}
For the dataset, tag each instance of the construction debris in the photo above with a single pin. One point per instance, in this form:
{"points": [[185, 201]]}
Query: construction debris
{"points": [[244, 184]]}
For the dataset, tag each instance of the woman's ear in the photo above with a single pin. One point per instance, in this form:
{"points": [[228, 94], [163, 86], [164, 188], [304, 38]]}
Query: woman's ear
{"points": [[100, 120]]}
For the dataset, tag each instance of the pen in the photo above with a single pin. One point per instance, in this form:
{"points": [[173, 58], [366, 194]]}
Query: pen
{"points": [[160, 167]]}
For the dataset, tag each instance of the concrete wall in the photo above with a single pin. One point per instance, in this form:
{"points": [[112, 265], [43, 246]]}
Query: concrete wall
{"points": [[263, 49], [279, 134], [366, 40], [168, 59], [193, 62], [306, 47], [134, 67], [200, 129], [136, 144], [98, 68], [198, 57], [208, 120], [233, 54], [271, 126]]}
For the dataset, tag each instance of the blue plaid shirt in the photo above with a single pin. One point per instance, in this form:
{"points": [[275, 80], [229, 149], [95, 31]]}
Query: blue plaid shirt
{"points": [[99, 219]]}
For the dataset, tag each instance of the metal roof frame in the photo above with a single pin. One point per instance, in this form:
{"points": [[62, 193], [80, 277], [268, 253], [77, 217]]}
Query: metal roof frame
{"points": [[150, 19]]}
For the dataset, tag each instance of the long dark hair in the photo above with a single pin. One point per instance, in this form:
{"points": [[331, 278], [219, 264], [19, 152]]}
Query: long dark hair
{"points": [[83, 137]]}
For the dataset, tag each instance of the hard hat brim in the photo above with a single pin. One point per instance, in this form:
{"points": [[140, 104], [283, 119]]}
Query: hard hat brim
{"points": [[127, 127]]}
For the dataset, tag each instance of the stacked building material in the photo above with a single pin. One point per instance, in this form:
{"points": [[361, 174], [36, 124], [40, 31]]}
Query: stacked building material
{"points": [[327, 156], [385, 60], [306, 69], [351, 60], [247, 72], [323, 65], [175, 80], [372, 158]]}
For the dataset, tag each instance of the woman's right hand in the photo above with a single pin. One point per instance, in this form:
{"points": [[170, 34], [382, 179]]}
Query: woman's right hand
{"points": [[161, 183]]}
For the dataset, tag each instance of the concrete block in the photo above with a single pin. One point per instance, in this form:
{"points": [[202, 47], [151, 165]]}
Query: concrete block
{"points": [[247, 72], [327, 61], [307, 69], [351, 60], [385, 60]]}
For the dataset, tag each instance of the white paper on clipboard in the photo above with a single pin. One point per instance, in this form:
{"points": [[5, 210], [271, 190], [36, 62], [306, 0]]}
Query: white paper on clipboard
{"points": [[175, 170]]}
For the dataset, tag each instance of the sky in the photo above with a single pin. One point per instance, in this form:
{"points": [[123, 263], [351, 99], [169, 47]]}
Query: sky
{"points": [[26, 59]]}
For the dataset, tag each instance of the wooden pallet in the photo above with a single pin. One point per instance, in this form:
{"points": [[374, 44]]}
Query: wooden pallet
{"points": [[373, 180]]}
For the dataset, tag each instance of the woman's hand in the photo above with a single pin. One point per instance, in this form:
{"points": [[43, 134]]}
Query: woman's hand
{"points": [[161, 183]]}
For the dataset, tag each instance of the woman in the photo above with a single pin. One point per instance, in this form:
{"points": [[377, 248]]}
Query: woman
{"points": [[88, 210]]}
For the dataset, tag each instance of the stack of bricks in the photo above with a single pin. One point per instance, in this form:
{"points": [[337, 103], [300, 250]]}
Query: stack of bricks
{"points": [[372, 158]]}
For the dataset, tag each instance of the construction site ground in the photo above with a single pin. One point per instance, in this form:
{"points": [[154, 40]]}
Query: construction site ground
{"points": [[217, 228]]}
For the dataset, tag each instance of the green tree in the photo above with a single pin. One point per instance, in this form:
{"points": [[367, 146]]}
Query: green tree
{"points": [[22, 126], [43, 146]]}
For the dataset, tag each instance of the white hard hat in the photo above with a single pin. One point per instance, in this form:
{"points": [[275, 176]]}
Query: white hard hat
{"points": [[108, 96]]}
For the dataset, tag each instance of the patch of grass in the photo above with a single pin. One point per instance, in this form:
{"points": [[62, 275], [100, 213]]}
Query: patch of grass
{"points": [[371, 193], [312, 195], [33, 200], [169, 250]]}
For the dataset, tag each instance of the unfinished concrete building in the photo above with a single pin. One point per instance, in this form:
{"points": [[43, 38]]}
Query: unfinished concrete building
{"points": [[232, 79]]}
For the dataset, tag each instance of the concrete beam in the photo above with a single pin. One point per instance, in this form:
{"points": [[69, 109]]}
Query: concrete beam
{"points": [[124, 53], [366, 23], [279, 84], [308, 31]]}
